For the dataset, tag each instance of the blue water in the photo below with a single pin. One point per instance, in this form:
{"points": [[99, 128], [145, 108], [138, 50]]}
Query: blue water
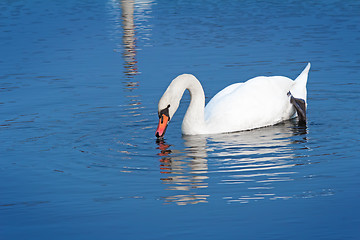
{"points": [[79, 86]]}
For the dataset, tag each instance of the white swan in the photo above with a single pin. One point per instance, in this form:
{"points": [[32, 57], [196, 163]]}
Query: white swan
{"points": [[258, 102]]}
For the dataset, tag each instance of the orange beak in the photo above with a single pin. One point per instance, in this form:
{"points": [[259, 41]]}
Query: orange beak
{"points": [[163, 122]]}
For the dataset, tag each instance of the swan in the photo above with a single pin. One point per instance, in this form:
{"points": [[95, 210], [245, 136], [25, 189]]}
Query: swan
{"points": [[259, 102]]}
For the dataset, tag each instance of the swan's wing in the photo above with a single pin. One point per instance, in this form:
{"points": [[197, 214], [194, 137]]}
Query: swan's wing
{"points": [[258, 102], [226, 91], [219, 96]]}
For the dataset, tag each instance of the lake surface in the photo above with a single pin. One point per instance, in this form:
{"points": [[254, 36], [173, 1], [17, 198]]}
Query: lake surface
{"points": [[79, 86]]}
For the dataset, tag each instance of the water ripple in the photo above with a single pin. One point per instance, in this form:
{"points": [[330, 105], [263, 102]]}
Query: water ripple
{"points": [[258, 159]]}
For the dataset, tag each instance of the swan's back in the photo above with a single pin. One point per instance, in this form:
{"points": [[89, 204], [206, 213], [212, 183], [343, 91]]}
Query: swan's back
{"points": [[260, 101]]}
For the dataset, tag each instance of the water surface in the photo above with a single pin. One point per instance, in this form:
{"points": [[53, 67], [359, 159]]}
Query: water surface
{"points": [[79, 86]]}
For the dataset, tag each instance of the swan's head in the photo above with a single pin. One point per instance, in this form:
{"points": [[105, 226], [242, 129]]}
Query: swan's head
{"points": [[167, 107]]}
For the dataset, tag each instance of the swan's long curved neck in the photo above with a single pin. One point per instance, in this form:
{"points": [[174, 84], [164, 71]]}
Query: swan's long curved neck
{"points": [[193, 122]]}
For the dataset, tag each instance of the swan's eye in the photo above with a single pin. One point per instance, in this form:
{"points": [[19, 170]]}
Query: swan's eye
{"points": [[165, 112]]}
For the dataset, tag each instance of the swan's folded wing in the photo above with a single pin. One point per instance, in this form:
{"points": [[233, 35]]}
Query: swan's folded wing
{"points": [[219, 96], [259, 102]]}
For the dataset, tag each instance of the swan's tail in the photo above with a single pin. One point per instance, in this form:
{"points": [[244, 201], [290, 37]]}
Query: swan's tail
{"points": [[298, 90]]}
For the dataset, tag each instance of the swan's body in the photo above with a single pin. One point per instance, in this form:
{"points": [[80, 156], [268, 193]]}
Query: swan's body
{"points": [[258, 102]]}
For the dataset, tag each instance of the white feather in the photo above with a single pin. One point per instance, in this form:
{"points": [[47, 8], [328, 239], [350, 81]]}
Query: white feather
{"points": [[258, 102]]}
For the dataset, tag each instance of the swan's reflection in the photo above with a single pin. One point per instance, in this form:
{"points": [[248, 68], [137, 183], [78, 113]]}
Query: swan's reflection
{"points": [[258, 158], [183, 173]]}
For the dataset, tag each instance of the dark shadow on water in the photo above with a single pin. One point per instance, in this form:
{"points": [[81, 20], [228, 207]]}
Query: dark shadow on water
{"points": [[257, 159]]}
